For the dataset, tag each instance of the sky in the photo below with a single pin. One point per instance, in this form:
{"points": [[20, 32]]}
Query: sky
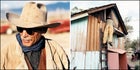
{"points": [[126, 9], [18, 4]]}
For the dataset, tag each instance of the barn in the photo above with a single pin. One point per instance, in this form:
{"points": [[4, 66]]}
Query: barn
{"points": [[87, 29]]}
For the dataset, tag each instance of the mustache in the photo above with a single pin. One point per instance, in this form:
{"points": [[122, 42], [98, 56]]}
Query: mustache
{"points": [[26, 38]]}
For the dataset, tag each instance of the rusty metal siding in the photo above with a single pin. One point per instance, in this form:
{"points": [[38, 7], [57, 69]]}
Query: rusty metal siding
{"points": [[106, 7], [95, 23], [81, 58], [79, 34], [92, 34]]}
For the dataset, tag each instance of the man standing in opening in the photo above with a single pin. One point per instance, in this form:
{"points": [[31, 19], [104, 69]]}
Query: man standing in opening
{"points": [[30, 49], [108, 33]]}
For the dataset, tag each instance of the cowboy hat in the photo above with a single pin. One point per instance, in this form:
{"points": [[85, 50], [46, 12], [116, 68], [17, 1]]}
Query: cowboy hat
{"points": [[33, 15]]}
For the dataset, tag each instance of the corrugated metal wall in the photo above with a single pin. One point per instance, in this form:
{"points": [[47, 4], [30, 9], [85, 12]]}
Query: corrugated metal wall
{"points": [[85, 60], [85, 41], [95, 24], [120, 43], [86, 34], [93, 34], [81, 58], [79, 34]]}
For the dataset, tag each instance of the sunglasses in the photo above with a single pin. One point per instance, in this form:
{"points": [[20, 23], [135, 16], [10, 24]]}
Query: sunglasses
{"points": [[31, 31]]}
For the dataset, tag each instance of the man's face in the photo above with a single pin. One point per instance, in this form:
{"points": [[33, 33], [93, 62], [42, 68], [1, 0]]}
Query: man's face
{"points": [[27, 39]]}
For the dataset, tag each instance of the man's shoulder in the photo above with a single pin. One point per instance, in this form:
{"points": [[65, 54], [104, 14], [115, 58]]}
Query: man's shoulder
{"points": [[55, 45], [50, 41], [10, 44]]}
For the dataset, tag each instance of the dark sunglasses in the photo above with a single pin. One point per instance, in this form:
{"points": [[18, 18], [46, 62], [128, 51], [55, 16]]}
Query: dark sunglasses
{"points": [[31, 31]]}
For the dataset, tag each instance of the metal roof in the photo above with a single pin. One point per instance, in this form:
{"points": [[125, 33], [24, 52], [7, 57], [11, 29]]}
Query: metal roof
{"points": [[104, 7]]}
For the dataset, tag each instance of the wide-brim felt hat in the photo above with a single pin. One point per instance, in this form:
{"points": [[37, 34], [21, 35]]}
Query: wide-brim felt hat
{"points": [[33, 15]]}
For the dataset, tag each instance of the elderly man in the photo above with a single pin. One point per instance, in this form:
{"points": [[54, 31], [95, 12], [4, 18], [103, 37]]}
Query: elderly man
{"points": [[32, 50]]}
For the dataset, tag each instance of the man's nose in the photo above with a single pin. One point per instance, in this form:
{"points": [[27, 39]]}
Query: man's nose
{"points": [[24, 33]]}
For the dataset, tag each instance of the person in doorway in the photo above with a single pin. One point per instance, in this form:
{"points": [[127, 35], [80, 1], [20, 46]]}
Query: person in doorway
{"points": [[108, 32], [30, 49]]}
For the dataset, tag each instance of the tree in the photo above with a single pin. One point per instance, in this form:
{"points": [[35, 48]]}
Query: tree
{"points": [[127, 43], [75, 10], [128, 27], [135, 44], [129, 30]]}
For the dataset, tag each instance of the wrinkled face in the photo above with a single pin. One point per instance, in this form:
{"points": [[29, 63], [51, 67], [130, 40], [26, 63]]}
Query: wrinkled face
{"points": [[29, 40], [30, 36]]}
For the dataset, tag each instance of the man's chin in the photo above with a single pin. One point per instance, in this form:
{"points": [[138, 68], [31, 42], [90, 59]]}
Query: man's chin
{"points": [[27, 44]]}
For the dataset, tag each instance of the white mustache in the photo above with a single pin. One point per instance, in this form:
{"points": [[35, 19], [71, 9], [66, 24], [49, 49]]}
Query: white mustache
{"points": [[26, 39]]}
